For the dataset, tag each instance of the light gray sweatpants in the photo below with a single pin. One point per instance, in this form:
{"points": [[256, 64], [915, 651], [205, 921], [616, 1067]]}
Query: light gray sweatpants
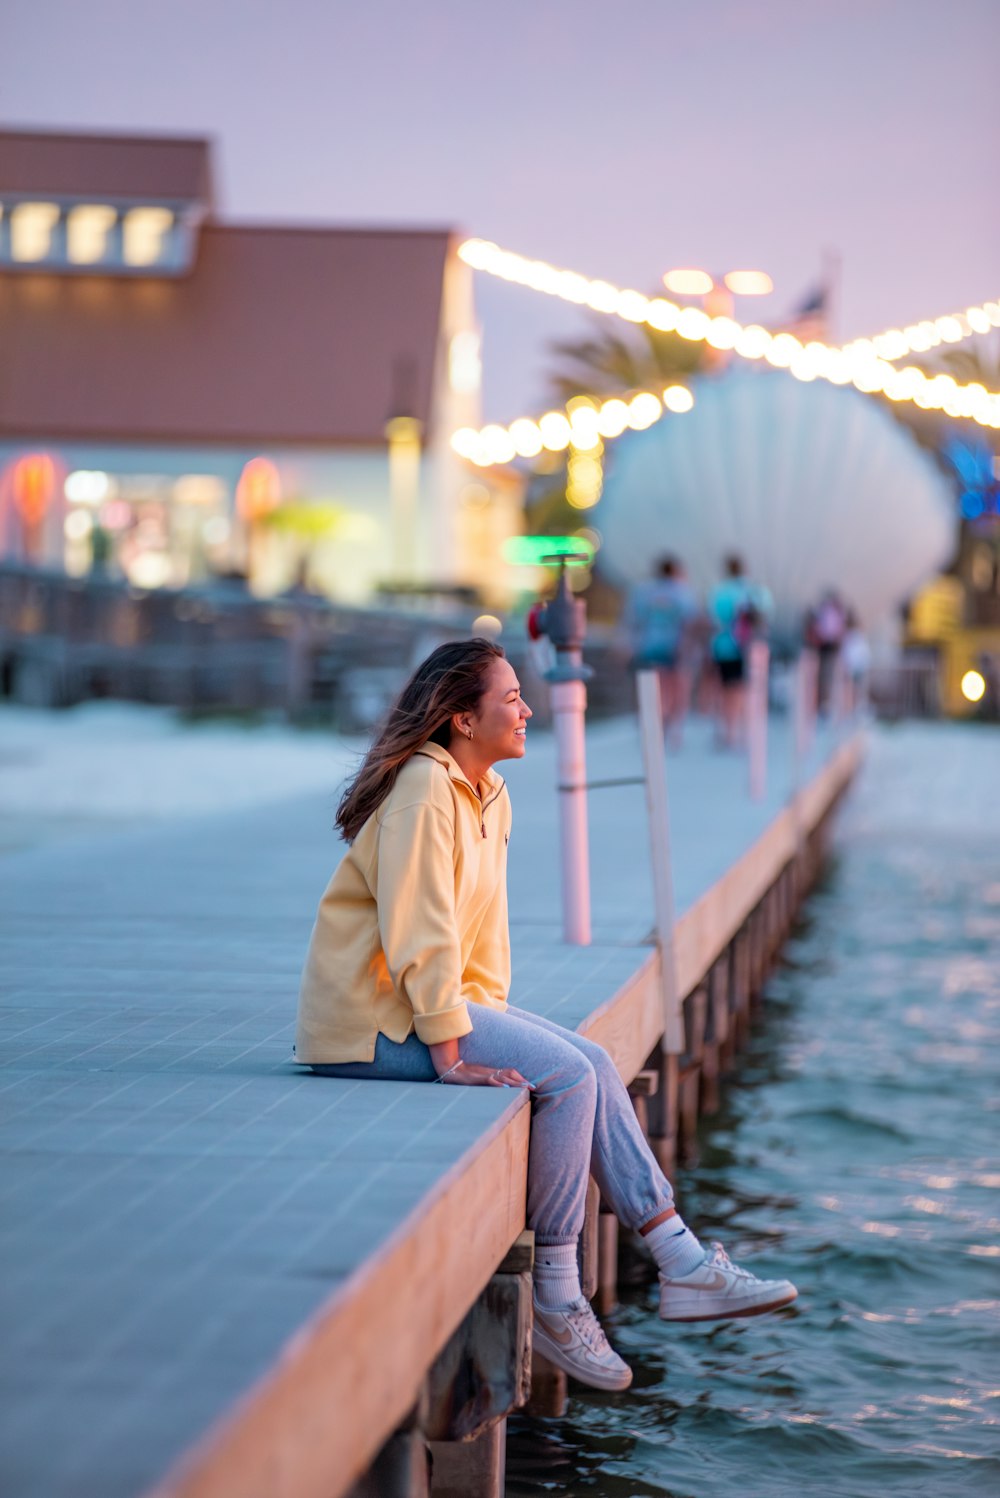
{"points": [[582, 1120]]}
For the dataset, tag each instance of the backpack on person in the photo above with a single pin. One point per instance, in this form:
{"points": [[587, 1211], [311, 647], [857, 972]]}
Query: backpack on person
{"points": [[746, 624]]}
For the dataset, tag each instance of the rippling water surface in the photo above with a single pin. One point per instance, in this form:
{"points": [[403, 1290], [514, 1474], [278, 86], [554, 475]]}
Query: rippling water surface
{"points": [[857, 1153]]}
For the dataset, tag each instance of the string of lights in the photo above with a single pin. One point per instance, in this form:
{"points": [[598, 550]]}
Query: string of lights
{"points": [[867, 363], [582, 426], [632, 306]]}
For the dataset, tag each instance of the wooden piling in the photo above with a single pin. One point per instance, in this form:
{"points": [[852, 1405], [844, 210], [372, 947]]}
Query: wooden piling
{"points": [[643, 1086], [606, 1297], [483, 1373], [658, 1106], [690, 1079], [549, 1389], [587, 1246], [739, 992], [402, 1467], [484, 1370], [715, 1054], [775, 919], [760, 957], [475, 1468]]}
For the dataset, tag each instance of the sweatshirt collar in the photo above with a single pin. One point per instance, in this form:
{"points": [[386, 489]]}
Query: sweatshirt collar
{"points": [[492, 782]]}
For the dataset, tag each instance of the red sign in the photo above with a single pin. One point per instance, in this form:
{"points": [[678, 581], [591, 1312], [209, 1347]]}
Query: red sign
{"points": [[33, 483], [259, 490]]}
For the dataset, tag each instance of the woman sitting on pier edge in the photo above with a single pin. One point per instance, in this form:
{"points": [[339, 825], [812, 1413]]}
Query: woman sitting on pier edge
{"points": [[407, 978]]}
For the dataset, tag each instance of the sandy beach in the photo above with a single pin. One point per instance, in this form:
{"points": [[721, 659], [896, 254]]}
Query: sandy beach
{"points": [[110, 765]]}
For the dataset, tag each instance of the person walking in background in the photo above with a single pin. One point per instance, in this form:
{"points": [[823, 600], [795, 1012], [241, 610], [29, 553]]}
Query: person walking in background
{"points": [[740, 610], [826, 626], [856, 656], [407, 979], [659, 616]]}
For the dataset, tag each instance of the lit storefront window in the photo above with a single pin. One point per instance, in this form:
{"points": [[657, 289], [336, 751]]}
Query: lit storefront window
{"points": [[202, 490], [71, 236], [78, 554], [87, 233], [154, 529], [88, 486], [31, 229], [145, 234]]}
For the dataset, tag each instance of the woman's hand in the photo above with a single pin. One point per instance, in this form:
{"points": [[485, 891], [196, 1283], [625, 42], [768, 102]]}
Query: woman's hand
{"points": [[466, 1074], [452, 1069]]}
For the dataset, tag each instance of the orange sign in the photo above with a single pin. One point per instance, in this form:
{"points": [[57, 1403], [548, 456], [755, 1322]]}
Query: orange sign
{"points": [[259, 490], [33, 482]]}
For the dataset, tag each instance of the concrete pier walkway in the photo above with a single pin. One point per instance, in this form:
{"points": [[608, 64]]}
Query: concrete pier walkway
{"points": [[220, 1275]]}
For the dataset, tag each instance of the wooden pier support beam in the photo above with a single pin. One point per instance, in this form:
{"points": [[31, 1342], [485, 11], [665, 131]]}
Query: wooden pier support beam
{"points": [[689, 1079], [587, 1247], [759, 955], [402, 1467], [715, 1056], [655, 1096], [484, 1371], [606, 1297], [482, 1374], [781, 913], [476, 1468], [549, 1389], [644, 1085], [739, 993]]}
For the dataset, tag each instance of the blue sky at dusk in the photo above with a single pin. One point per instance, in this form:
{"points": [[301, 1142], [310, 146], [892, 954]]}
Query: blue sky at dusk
{"points": [[618, 141]]}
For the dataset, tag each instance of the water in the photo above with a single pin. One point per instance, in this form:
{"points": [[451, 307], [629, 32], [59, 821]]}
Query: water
{"points": [[857, 1154]]}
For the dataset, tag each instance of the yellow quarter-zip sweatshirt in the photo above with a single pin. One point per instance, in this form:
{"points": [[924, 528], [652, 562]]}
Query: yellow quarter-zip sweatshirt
{"points": [[413, 925]]}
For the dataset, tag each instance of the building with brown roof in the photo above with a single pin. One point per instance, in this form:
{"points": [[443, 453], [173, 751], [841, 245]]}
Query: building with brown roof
{"points": [[180, 395]]}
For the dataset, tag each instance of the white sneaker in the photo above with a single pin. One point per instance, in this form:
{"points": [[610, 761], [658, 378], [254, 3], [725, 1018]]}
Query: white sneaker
{"points": [[718, 1288], [572, 1339]]}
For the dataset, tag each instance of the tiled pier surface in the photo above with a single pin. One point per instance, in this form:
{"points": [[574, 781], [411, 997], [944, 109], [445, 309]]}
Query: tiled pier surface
{"points": [[223, 1277]]}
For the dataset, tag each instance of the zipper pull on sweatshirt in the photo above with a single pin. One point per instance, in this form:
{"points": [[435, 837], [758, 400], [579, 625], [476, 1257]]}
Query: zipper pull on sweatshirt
{"points": [[482, 825]]}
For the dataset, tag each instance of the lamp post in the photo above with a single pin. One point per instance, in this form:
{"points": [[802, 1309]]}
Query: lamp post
{"points": [[718, 296], [403, 439], [564, 620]]}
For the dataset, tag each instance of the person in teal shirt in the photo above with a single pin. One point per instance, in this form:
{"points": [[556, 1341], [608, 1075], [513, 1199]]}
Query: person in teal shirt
{"points": [[740, 610], [660, 613]]}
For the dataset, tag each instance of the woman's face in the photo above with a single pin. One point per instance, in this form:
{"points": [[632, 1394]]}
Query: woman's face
{"points": [[500, 722]]}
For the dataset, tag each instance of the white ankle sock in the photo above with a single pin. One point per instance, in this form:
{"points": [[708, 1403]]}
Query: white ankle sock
{"points": [[674, 1247], [557, 1275]]}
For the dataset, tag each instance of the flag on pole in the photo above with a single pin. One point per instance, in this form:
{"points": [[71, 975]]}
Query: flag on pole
{"points": [[809, 319]]}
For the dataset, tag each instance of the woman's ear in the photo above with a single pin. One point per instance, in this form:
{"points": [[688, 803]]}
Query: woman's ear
{"points": [[461, 727]]}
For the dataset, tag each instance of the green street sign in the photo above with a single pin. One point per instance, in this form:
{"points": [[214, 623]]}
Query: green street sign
{"points": [[535, 551]]}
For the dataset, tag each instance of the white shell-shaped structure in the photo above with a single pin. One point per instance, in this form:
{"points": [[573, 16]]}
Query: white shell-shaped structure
{"points": [[812, 484]]}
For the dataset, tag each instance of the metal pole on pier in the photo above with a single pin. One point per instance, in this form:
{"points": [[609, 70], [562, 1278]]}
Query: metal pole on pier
{"points": [[564, 620], [806, 682], [760, 657], [569, 707], [655, 767], [803, 727]]}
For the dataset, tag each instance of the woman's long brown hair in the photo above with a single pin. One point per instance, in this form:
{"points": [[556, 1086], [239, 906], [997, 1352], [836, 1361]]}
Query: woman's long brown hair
{"points": [[451, 680]]}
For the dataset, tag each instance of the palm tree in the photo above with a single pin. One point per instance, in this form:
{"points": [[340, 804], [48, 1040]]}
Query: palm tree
{"points": [[609, 362], [975, 362]]}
